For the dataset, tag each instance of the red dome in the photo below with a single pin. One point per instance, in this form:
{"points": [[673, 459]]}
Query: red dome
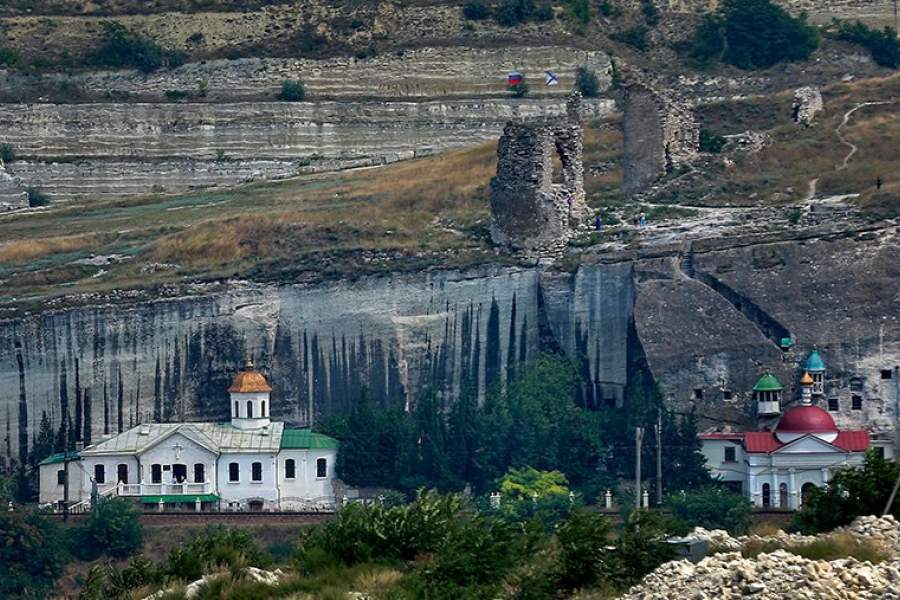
{"points": [[806, 419]]}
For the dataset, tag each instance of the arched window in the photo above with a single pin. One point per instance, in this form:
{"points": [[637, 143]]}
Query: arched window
{"points": [[256, 472], [199, 473], [805, 491], [783, 495], [321, 468], [263, 410], [122, 473], [766, 495], [100, 473], [234, 472], [237, 410], [249, 409], [290, 469]]}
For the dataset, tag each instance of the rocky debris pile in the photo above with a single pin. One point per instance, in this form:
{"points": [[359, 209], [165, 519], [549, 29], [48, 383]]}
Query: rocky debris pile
{"points": [[884, 531], [722, 540], [769, 577], [807, 102], [193, 589]]}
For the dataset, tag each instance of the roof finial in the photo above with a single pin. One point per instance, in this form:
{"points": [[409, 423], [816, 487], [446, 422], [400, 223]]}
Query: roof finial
{"points": [[248, 363]]}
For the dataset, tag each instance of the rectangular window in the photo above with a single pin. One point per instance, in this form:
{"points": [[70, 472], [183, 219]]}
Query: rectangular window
{"points": [[698, 393], [60, 477], [290, 469], [857, 402], [256, 472], [234, 472], [833, 405], [879, 451], [156, 474], [321, 468], [886, 373], [730, 454], [856, 385], [99, 473], [726, 394], [199, 473]]}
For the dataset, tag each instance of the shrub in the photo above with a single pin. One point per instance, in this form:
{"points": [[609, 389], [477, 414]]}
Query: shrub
{"points": [[712, 507], [636, 37], [471, 561], [584, 554], [292, 91], [753, 34], [476, 10], [586, 82], [7, 153], [113, 527], [32, 555], [544, 12], [711, 142], [124, 48], [608, 8], [361, 533], [10, 58], [176, 95], [579, 11], [882, 45], [309, 41], [105, 581], [514, 12], [651, 12], [215, 547], [852, 492], [36, 198], [642, 547]]}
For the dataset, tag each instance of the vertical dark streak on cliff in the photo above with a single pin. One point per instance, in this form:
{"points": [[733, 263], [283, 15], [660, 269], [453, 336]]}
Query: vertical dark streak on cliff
{"points": [[523, 341], [88, 411], [492, 349], [547, 342], [23, 408], [105, 408], [476, 356], [511, 343], [63, 407], [79, 414], [120, 400], [157, 392], [584, 395]]}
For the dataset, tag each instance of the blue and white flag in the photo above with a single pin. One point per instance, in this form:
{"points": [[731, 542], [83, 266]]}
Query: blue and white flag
{"points": [[552, 79]]}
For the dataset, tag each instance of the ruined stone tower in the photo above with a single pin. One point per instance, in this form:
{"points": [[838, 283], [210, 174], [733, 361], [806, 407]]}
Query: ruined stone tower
{"points": [[528, 210], [12, 194], [660, 134]]}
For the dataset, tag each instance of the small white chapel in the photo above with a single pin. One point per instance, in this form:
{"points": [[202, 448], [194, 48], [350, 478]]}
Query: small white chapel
{"points": [[250, 463]]}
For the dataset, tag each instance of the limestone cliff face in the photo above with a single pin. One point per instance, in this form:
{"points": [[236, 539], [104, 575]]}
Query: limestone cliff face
{"points": [[320, 345], [707, 320]]}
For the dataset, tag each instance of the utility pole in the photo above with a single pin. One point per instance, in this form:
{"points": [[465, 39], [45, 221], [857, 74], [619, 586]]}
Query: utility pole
{"points": [[659, 460], [638, 438]]}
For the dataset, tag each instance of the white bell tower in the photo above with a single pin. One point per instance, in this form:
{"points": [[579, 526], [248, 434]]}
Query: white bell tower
{"points": [[250, 394]]}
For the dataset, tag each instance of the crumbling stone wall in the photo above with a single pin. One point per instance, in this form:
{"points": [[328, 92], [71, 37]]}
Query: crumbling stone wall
{"points": [[528, 210], [660, 134], [12, 194]]}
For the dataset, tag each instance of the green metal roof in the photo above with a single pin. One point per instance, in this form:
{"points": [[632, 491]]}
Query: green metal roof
{"points": [[306, 439], [768, 383], [786, 342], [815, 362], [60, 457], [179, 498]]}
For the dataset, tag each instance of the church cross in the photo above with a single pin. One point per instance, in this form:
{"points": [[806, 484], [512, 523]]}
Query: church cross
{"points": [[177, 447]]}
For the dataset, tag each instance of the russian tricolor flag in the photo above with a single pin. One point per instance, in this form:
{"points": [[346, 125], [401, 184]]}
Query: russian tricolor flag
{"points": [[514, 78]]}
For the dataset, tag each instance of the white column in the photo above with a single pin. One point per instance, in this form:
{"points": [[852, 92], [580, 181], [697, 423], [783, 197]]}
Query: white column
{"points": [[826, 475], [776, 496], [793, 496], [751, 490]]}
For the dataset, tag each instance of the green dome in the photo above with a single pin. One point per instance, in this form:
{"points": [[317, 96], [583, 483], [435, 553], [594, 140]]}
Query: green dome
{"points": [[815, 362], [768, 383]]}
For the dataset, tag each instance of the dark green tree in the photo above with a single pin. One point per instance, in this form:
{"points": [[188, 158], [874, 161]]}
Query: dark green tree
{"points": [[112, 527], [32, 555], [712, 507]]}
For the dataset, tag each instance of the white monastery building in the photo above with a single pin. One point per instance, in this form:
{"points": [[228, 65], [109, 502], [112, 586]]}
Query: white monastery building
{"points": [[248, 463], [777, 467]]}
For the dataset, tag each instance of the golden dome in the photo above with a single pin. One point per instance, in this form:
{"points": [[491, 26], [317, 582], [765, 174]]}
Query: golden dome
{"points": [[249, 381], [806, 379]]}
